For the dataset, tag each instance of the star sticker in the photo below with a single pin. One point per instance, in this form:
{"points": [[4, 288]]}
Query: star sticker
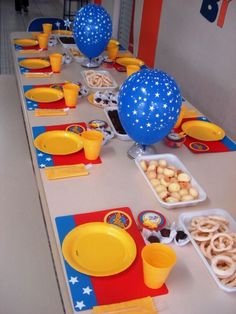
{"points": [[73, 280], [67, 23], [58, 24], [79, 305], [87, 290]]}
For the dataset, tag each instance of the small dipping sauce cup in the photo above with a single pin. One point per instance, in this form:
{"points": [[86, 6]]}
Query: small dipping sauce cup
{"points": [[158, 261]]}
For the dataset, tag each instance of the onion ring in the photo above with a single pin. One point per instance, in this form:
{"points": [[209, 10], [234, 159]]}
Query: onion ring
{"points": [[222, 246], [219, 271], [208, 225], [201, 236], [230, 281]]}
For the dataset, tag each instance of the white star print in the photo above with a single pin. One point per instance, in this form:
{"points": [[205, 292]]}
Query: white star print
{"points": [[40, 154], [135, 112], [73, 280], [165, 106], [87, 290], [42, 165], [48, 159], [151, 108], [79, 305], [58, 24]]}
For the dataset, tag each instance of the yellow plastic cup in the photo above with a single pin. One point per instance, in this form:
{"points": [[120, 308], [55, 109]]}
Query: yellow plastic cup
{"points": [[112, 51], [92, 144], [56, 62], [158, 260], [43, 41], [47, 28], [71, 91], [181, 116], [132, 68]]}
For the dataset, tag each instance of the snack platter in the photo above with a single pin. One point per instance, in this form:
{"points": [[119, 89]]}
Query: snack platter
{"points": [[185, 220], [174, 161], [121, 136], [99, 80]]}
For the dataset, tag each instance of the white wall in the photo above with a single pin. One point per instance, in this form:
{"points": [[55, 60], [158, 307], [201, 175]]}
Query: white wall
{"points": [[202, 58]]}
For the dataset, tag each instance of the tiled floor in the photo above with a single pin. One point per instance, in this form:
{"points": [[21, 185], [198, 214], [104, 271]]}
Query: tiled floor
{"points": [[10, 21]]}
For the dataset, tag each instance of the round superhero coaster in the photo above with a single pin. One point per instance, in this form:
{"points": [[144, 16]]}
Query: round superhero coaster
{"points": [[75, 128], [118, 218], [151, 220], [95, 124], [199, 147]]}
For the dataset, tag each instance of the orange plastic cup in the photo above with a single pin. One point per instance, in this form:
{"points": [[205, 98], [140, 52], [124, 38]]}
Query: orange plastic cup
{"points": [[71, 91], [132, 68], [92, 143], [43, 41], [158, 261], [56, 62], [112, 51], [47, 28]]}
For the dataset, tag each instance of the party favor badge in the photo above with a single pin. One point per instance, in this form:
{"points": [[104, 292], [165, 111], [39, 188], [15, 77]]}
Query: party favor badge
{"points": [[118, 218], [199, 147], [151, 220], [75, 128]]}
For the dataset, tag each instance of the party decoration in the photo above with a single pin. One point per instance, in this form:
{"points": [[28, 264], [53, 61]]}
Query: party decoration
{"points": [[67, 24], [149, 103], [92, 30], [58, 24]]}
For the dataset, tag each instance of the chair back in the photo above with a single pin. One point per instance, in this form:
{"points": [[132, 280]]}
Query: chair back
{"points": [[35, 25]]}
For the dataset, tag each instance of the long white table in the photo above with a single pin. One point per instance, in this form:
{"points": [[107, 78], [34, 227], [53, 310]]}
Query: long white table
{"points": [[117, 182]]}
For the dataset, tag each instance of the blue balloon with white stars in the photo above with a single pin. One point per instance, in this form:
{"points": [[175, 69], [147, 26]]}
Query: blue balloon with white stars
{"points": [[149, 104], [92, 30]]}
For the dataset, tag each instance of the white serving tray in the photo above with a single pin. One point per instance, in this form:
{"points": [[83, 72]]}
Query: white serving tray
{"points": [[173, 161], [123, 137], [114, 84], [66, 45], [184, 221]]}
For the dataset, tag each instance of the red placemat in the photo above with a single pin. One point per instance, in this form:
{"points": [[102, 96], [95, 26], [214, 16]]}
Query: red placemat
{"points": [[125, 286]]}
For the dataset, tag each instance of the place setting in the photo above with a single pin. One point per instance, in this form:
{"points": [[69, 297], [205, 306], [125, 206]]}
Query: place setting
{"points": [[109, 276], [203, 136], [67, 150]]}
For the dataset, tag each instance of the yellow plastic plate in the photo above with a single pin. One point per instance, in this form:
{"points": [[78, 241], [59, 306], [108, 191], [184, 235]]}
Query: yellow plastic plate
{"points": [[203, 130], [129, 61], [26, 42], [99, 249], [34, 63], [44, 94], [58, 142]]}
